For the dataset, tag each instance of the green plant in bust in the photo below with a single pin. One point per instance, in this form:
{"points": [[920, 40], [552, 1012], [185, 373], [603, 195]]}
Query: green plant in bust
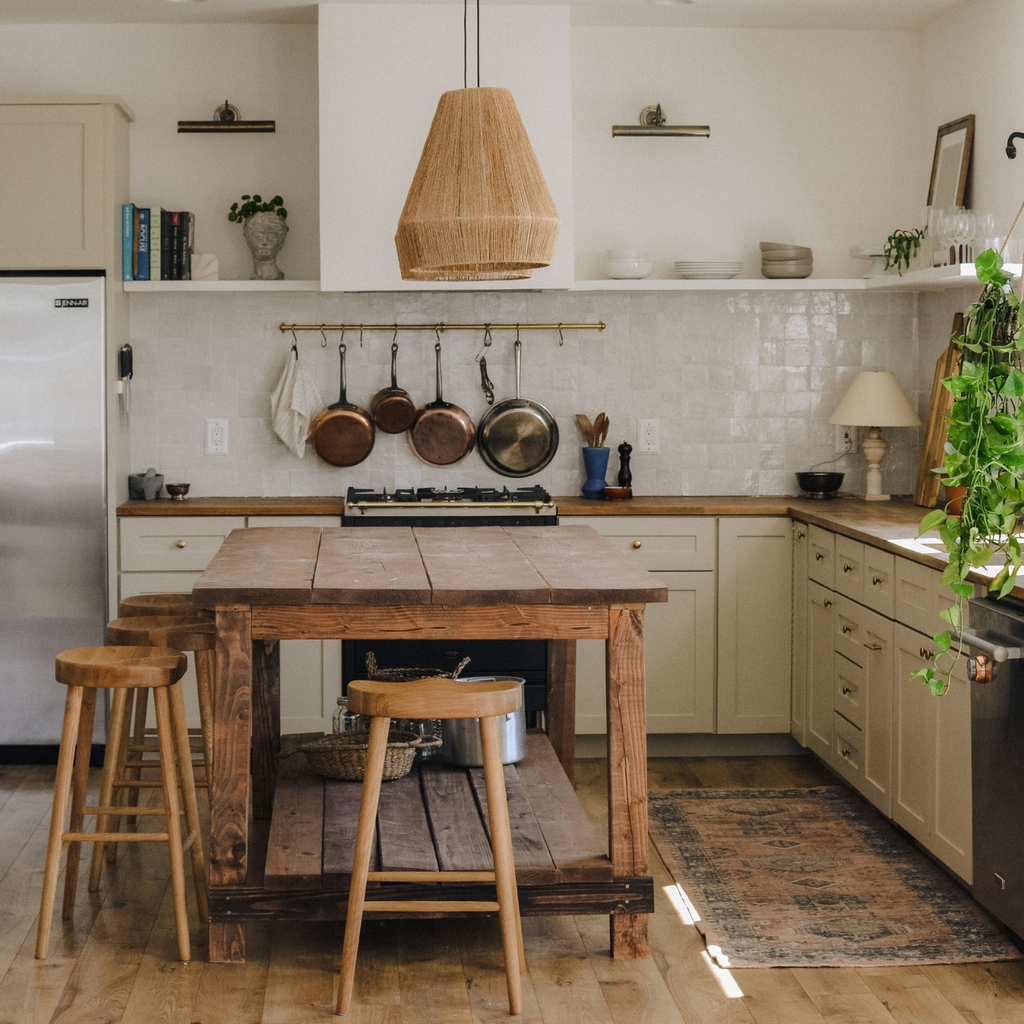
{"points": [[901, 247], [255, 204], [984, 454]]}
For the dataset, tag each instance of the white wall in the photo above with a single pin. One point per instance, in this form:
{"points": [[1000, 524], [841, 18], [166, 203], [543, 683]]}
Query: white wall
{"points": [[973, 66], [167, 73], [815, 139]]}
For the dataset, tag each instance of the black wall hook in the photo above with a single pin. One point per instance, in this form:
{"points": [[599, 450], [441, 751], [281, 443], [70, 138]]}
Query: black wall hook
{"points": [[1011, 149]]}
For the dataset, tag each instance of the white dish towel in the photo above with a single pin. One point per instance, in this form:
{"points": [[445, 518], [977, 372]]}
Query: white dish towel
{"points": [[294, 404]]}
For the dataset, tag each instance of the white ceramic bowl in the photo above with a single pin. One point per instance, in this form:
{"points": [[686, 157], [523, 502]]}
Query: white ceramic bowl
{"points": [[627, 270]]}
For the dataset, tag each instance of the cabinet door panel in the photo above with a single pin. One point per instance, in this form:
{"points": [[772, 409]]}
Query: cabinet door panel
{"points": [[658, 543], [755, 622], [914, 742], [848, 757], [679, 652], [953, 831], [880, 580], [820, 661], [850, 696], [849, 567]]}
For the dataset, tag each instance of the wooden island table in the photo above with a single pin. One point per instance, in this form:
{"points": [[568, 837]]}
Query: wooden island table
{"points": [[561, 584]]}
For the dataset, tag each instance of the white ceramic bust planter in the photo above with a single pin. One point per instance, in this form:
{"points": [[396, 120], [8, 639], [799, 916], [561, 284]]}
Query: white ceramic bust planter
{"points": [[265, 233]]}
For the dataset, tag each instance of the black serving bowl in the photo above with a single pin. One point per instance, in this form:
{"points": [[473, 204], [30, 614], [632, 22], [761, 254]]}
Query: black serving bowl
{"points": [[820, 485]]}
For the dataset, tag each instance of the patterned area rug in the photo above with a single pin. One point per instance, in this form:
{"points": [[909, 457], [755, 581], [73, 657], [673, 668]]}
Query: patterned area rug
{"points": [[814, 878]]}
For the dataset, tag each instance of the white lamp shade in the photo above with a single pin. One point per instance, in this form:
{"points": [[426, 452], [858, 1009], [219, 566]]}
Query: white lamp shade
{"points": [[875, 399]]}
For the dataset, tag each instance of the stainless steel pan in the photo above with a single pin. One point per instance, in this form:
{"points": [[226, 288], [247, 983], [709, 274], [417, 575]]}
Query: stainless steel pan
{"points": [[517, 437]]}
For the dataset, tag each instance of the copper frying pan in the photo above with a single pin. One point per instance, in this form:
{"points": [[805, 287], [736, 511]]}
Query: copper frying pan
{"points": [[442, 434], [343, 434], [391, 408]]}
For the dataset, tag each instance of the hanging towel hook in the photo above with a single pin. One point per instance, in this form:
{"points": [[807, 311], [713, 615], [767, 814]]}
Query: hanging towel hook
{"points": [[295, 346]]}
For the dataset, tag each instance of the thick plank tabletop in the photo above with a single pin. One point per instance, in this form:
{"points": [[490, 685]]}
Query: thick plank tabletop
{"points": [[400, 566]]}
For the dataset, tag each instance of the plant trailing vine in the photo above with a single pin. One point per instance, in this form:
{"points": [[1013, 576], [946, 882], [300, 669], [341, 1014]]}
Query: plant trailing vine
{"points": [[984, 454], [255, 204], [901, 247]]}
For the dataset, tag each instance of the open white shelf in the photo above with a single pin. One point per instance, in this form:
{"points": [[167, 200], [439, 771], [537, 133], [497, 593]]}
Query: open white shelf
{"points": [[221, 286], [934, 278]]}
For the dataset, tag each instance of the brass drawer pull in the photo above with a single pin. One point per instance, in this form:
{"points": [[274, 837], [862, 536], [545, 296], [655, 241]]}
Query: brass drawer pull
{"points": [[925, 653], [636, 543], [180, 544], [873, 647], [827, 603], [847, 629], [876, 581], [818, 556], [847, 568]]}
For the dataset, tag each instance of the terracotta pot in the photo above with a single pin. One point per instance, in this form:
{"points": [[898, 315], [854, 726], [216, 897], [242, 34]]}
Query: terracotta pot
{"points": [[955, 500]]}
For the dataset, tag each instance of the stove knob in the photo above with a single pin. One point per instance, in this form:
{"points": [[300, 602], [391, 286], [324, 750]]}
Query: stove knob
{"points": [[980, 668]]}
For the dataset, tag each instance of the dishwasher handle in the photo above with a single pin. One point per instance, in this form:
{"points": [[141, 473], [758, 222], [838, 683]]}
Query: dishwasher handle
{"points": [[997, 652]]}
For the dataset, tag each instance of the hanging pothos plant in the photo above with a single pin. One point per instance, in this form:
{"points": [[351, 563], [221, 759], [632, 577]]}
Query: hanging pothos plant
{"points": [[984, 454]]}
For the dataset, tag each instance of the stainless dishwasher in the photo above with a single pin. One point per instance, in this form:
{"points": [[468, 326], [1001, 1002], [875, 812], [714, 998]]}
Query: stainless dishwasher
{"points": [[994, 645]]}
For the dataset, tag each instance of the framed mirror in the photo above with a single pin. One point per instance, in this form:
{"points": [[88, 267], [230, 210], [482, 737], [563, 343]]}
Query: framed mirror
{"points": [[951, 163]]}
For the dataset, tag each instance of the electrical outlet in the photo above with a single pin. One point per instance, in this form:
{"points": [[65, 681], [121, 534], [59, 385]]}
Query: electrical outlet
{"points": [[846, 438], [650, 436], [216, 437]]}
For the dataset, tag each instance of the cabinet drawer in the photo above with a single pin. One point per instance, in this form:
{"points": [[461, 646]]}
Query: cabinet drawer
{"points": [[880, 580], [821, 556], [849, 567], [848, 757], [660, 543], [173, 543], [919, 597], [848, 698]]}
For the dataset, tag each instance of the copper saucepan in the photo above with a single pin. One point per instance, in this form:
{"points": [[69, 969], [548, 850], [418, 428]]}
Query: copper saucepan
{"points": [[391, 408], [442, 434], [343, 434]]}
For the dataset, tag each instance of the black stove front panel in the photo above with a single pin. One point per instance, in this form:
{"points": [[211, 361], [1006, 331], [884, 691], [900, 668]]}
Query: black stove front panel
{"points": [[450, 519]]}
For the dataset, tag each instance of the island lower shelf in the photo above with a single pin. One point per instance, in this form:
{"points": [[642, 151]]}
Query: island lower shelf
{"points": [[433, 819]]}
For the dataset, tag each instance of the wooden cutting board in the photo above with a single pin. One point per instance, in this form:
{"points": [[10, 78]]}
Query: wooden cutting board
{"points": [[926, 493]]}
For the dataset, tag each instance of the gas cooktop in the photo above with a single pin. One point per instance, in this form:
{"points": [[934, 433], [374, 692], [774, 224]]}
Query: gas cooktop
{"points": [[468, 501]]}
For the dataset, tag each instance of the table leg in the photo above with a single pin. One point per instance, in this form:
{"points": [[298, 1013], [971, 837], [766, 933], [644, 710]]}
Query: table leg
{"points": [[627, 768], [561, 702], [266, 724], [229, 780]]}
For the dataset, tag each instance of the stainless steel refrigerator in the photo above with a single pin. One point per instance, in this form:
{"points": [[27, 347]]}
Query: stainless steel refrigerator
{"points": [[52, 493]]}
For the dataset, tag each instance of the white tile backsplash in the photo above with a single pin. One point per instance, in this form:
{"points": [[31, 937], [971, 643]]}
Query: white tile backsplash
{"points": [[743, 383]]}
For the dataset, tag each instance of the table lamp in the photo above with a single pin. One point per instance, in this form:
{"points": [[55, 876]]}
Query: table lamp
{"points": [[874, 400]]}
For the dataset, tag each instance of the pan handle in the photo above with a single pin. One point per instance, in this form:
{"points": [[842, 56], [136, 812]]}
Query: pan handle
{"points": [[437, 353], [394, 360], [519, 361], [342, 402]]}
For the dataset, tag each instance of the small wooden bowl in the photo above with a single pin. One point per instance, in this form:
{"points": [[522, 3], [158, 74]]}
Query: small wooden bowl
{"points": [[617, 493], [177, 491]]}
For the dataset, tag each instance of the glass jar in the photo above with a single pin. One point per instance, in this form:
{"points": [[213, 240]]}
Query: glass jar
{"points": [[345, 720]]}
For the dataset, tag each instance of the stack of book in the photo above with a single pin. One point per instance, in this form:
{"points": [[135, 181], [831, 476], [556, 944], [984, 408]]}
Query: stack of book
{"points": [[156, 244]]}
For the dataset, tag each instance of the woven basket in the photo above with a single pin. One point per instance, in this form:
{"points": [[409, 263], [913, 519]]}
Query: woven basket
{"points": [[344, 756], [407, 675]]}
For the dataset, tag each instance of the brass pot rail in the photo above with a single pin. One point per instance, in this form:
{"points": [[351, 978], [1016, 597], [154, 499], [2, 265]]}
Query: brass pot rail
{"points": [[440, 327]]}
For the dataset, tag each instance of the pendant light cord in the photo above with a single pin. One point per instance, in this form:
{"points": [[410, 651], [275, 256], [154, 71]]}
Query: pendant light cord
{"points": [[478, 44], [465, 44]]}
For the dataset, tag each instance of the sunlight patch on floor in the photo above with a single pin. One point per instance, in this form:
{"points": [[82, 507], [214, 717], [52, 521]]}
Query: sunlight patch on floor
{"points": [[725, 980], [681, 902]]}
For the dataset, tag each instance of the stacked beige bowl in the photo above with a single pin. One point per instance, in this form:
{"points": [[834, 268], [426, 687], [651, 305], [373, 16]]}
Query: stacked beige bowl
{"points": [[781, 260]]}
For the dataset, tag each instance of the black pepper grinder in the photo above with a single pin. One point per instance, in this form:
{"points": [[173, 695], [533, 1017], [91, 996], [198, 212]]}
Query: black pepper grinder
{"points": [[625, 476]]}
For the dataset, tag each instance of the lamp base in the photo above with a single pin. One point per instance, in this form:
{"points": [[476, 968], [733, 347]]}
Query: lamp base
{"points": [[874, 451], [876, 497]]}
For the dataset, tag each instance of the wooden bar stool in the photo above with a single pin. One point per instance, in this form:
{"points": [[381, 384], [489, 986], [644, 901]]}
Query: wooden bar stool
{"points": [[129, 757], [84, 670], [436, 698], [161, 604]]}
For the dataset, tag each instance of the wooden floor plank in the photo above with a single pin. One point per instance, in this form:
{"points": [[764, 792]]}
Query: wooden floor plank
{"points": [[459, 835], [758, 772], [431, 982], [530, 852], [402, 827], [483, 964], [300, 978], [234, 993], [772, 995], [909, 996], [842, 996], [377, 997], [634, 990], [976, 993]]}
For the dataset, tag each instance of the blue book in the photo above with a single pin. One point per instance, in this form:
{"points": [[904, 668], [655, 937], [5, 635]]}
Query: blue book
{"points": [[127, 241], [142, 269]]}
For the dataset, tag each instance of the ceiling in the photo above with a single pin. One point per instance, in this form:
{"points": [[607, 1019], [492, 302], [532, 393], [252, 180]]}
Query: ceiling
{"points": [[905, 15]]}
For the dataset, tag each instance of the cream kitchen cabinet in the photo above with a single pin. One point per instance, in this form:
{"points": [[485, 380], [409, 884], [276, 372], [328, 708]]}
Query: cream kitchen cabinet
{"points": [[932, 756], [679, 636], [755, 570], [64, 168], [820, 654], [798, 702], [167, 554]]}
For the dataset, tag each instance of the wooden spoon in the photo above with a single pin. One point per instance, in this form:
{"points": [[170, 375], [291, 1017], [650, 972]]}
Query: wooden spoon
{"points": [[600, 429], [589, 434]]}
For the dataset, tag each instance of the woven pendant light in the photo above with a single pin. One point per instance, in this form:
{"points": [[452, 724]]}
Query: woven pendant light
{"points": [[478, 208]]}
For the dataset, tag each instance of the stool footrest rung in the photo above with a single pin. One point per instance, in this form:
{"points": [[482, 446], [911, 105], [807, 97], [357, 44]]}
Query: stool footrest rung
{"points": [[129, 812], [430, 876], [114, 837], [435, 906], [150, 784]]}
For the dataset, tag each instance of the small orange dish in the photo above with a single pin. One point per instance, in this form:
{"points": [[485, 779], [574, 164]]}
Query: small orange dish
{"points": [[617, 493]]}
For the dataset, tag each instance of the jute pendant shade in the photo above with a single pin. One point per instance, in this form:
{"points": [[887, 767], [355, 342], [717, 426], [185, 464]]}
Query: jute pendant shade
{"points": [[478, 208]]}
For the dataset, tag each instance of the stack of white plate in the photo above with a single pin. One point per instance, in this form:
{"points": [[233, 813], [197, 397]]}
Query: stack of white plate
{"points": [[779, 259], [706, 270]]}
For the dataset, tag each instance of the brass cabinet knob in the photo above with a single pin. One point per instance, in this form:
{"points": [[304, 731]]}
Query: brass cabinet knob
{"points": [[926, 654], [873, 647], [800, 534], [818, 556], [847, 690], [847, 568], [847, 629], [636, 543], [876, 581], [180, 544], [845, 752], [827, 602]]}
